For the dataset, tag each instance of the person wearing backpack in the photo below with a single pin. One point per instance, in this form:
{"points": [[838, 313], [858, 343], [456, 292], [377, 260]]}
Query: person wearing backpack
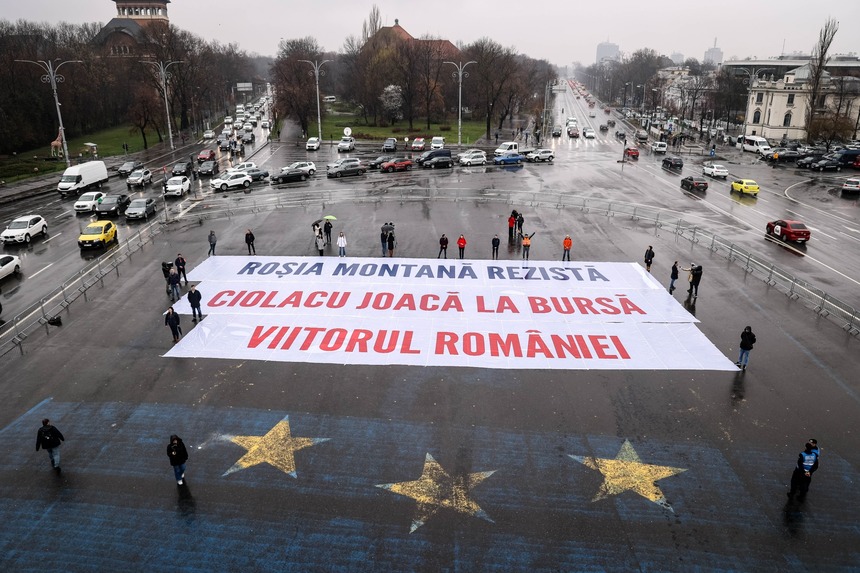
{"points": [[178, 455], [49, 439]]}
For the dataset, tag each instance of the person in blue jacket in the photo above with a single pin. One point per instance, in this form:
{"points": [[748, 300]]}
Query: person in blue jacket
{"points": [[807, 464]]}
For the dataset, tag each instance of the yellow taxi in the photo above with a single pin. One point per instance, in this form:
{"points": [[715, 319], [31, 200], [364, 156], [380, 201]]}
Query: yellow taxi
{"points": [[746, 186], [97, 234]]}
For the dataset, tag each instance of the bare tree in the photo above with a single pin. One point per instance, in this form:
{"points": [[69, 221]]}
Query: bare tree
{"points": [[294, 80], [372, 25], [495, 68], [817, 64]]}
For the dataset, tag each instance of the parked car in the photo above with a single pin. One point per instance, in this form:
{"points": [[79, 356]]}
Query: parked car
{"points": [[692, 183], [231, 180], [244, 166], [177, 186], [631, 152], [782, 154], [126, 168], [308, 167], [673, 163], [539, 155], [418, 144], [22, 229], [113, 205], [390, 144], [475, 156], [9, 265], [808, 161], [257, 174], [376, 163], [97, 235], [437, 142], [288, 175], [346, 144], [345, 166], [508, 158], [851, 186], [88, 202], [208, 168], [182, 168], [789, 230], [396, 164], [313, 144], [745, 186], [715, 170], [206, 155], [139, 178], [828, 163], [140, 208], [439, 161]]}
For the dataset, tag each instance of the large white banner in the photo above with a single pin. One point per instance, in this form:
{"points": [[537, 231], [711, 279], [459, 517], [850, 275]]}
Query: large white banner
{"points": [[426, 312]]}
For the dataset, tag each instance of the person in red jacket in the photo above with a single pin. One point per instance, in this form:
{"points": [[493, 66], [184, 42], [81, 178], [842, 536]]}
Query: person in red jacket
{"points": [[512, 222], [461, 243], [566, 245]]}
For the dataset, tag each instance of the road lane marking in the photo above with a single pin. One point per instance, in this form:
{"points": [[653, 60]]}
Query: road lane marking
{"points": [[40, 271], [52, 237], [822, 233], [64, 213]]}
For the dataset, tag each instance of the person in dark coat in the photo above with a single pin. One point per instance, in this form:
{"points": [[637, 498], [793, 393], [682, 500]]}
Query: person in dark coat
{"points": [[495, 242], [212, 240], [520, 221], [392, 242], [49, 439], [173, 282], [194, 297], [807, 464], [166, 267], [171, 319], [673, 276], [443, 246], [327, 226], [747, 341], [179, 263], [696, 272], [249, 240], [649, 258], [383, 239], [178, 455]]}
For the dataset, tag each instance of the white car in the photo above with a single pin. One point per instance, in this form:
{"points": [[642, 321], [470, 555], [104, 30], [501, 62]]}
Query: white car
{"points": [[88, 202], [346, 144], [9, 264], [307, 166], [228, 120], [22, 229], [588, 133], [592, 114], [231, 180], [659, 147], [570, 121], [715, 170], [437, 143], [208, 134], [177, 186], [313, 144], [539, 155], [248, 127], [243, 166], [473, 157], [264, 124]]}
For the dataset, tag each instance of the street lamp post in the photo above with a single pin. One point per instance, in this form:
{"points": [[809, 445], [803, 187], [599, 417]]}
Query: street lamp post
{"points": [[460, 74], [51, 76], [750, 75], [163, 75], [317, 73], [624, 99]]}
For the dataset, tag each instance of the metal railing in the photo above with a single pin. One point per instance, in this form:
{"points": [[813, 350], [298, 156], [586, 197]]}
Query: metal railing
{"points": [[37, 315]]}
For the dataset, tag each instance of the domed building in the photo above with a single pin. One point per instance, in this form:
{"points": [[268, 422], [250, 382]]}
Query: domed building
{"points": [[127, 33]]}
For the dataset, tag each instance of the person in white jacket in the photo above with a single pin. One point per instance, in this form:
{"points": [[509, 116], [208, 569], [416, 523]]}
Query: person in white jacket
{"points": [[341, 244]]}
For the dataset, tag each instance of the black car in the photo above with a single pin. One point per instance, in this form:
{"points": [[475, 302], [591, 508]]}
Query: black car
{"points": [[828, 163], [673, 163], [224, 145], [288, 176], [440, 161], [248, 137], [603, 127], [126, 168], [377, 163], [781, 154], [113, 205], [808, 161], [556, 131], [182, 168], [208, 168], [610, 122], [257, 174], [621, 134], [694, 183], [390, 144]]}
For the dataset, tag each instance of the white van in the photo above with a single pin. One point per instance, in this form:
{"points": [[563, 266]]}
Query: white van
{"points": [[753, 143], [79, 177], [329, 99]]}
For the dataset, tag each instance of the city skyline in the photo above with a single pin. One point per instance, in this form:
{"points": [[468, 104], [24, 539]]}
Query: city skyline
{"points": [[266, 22]]}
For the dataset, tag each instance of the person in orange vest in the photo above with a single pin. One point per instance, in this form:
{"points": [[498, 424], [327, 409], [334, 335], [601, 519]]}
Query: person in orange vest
{"points": [[567, 244], [461, 243], [527, 244]]}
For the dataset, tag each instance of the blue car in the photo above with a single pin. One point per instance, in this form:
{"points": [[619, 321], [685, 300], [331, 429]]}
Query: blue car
{"points": [[508, 158]]}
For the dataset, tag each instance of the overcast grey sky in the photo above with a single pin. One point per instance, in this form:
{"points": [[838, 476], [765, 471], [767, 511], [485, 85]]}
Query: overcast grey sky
{"points": [[561, 31]]}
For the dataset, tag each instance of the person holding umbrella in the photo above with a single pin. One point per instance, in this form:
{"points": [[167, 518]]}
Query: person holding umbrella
{"points": [[327, 227]]}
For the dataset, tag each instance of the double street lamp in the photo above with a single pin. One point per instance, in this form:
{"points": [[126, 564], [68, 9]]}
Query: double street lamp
{"points": [[51, 76], [163, 75], [317, 73], [460, 74]]}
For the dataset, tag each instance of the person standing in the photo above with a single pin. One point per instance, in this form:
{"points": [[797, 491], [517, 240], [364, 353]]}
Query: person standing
{"points": [[327, 226], [495, 244], [520, 221], [341, 245], [527, 245], [566, 245], [178, 455], [173, 283], [461, 244], [171, 319], [696, 278], [747, 341], [443, 246], [212, 240], [673, 276], [383, 238], [49, 439], [392, 242], [249, 240], [194, 298], [166, 267], [512, 223], [320, 242], [179, 263], [649, 258], [807, 464]]}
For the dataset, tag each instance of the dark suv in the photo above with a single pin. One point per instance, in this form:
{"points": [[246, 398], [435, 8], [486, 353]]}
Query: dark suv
{"points": [[126, 168], [673, 163], [182, 168]]}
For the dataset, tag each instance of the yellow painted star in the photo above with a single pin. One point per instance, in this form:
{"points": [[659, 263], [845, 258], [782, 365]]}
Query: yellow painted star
{"points": [[436, 489], [627, 472], [276, 448]]}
